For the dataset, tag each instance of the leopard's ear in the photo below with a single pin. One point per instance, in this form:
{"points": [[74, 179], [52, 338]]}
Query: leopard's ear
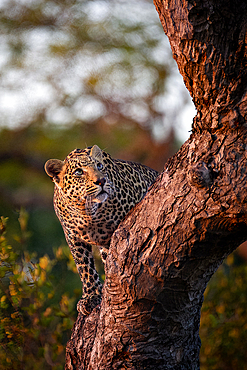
{"points": [[53, 167], [96, 153]]}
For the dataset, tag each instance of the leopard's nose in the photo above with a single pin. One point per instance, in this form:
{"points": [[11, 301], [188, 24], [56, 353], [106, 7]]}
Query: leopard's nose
{"points": [[101, 181]]}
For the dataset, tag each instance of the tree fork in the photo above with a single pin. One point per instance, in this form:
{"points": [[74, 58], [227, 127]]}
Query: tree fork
{"points": [[164, 253]]}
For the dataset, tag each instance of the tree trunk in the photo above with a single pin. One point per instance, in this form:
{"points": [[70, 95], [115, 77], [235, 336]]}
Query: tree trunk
{"points": [[164, 253]]}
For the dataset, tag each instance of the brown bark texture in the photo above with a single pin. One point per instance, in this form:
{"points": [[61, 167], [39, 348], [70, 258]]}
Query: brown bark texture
{"points": [[164, 253]]}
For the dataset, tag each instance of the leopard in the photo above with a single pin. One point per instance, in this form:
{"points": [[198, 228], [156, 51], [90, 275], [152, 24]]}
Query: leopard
{"points": [[93, 193]]}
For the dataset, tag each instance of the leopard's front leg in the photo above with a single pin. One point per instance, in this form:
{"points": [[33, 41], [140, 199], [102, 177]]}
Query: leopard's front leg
{"points": [[92, 287], [103, 252]]}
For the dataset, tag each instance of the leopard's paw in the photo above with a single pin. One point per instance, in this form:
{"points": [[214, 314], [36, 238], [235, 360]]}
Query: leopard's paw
{"points": [[87, 303]]}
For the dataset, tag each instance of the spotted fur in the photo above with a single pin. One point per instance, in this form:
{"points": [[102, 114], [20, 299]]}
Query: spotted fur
{"points": [[93, 192]]}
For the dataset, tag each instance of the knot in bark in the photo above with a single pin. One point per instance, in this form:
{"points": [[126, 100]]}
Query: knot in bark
{"points": [[199, 175]]}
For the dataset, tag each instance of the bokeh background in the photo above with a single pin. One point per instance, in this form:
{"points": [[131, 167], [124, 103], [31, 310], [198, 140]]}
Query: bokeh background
{"points": [[73, 74]]}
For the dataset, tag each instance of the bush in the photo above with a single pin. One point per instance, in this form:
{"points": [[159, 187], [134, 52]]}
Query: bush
{"points": [[224, 318], [35, 321]]}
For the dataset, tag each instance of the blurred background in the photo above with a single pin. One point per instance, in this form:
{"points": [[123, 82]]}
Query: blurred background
{"points": [[72, 74]]}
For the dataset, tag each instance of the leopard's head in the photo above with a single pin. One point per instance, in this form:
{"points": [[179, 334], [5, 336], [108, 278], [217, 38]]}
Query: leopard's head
{"points": [[81, 178]]}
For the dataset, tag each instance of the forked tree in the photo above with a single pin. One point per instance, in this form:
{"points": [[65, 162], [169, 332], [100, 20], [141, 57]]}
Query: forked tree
{"points": [[164, 253]]}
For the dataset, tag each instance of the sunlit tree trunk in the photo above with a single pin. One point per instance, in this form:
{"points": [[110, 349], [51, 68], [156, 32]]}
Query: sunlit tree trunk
{"points": [[164, 253]]}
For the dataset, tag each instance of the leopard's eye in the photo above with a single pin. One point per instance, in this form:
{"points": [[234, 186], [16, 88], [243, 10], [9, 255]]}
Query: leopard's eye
{"points": [[78, 172], [99, 166]]}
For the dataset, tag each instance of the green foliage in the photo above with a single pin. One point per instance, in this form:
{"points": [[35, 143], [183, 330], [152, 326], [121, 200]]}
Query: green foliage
{"points": [[224, 318], [35, 322]]}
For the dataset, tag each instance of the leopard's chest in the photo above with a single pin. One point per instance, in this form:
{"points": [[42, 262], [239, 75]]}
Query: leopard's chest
{"points": [[96, 229]]}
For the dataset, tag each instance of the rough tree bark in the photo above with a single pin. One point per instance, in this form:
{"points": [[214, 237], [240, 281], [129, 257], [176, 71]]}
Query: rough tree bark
{"points": [[164, 253]]}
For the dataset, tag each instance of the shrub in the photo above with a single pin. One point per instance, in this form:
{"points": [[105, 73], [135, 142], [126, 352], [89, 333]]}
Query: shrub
{"points": [[35, 321], [224, 318]]}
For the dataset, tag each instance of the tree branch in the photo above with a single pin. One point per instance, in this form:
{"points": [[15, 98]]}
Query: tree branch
{"points": [[208, 41], [164, 253]]}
